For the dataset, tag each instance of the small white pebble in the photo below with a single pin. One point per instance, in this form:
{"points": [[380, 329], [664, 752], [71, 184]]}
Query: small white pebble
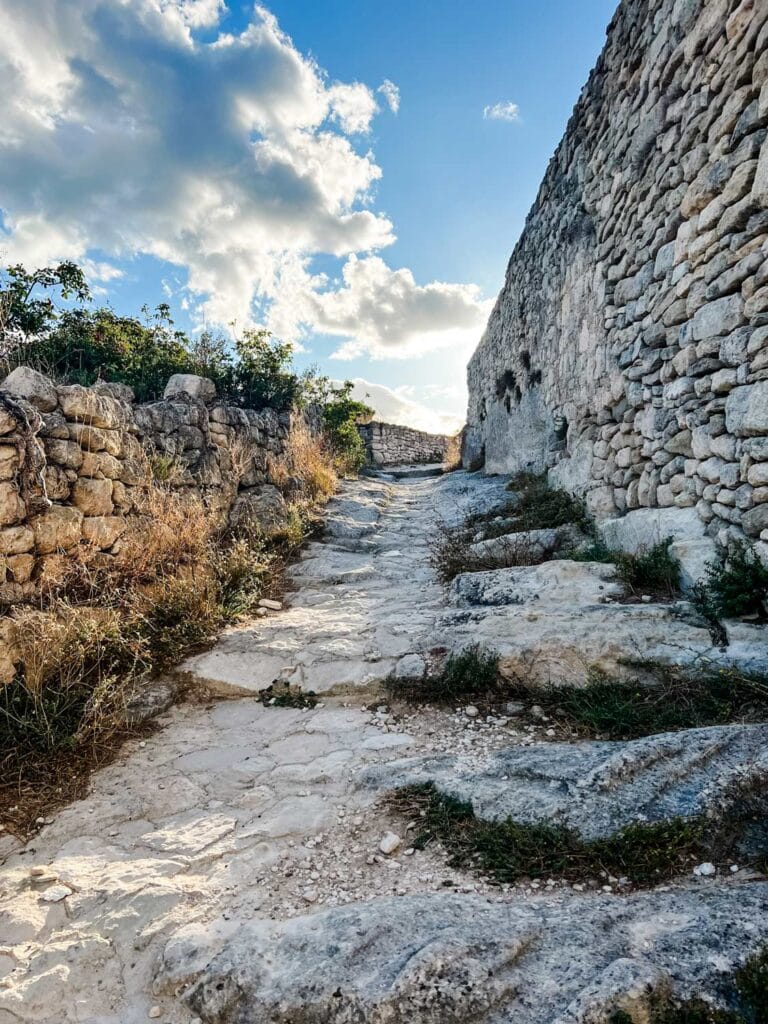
{"points": [[705, 870], [154, 1012], [389, 842]]}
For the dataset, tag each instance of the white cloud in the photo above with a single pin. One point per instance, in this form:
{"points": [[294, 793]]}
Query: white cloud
{"points": [[502, 112], [396, 406], [382, 312], [231, 156], [124, 133], [391, 94]]}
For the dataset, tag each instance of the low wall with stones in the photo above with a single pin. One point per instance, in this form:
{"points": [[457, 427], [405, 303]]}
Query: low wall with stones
{"points": [[74, 460], [387, 444], [628, 350]]}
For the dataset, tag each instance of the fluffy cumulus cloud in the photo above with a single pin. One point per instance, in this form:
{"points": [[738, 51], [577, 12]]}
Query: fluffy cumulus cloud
{"points": [[381, 312], [507, 111], [143, 127], [399, 405]]}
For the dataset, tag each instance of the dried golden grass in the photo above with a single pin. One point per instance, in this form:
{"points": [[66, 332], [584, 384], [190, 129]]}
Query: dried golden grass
{"points": [[307, 458]]}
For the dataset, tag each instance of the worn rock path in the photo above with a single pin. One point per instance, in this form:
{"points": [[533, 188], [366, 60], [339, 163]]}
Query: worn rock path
{"points": [[239, 830]]}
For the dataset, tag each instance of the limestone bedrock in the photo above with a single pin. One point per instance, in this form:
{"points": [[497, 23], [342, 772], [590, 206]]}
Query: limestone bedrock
{"points": [[229, 867]]}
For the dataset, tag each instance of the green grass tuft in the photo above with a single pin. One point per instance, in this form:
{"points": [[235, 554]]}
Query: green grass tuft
{"points": [[675, 699], [509, 850], [472, 674]]}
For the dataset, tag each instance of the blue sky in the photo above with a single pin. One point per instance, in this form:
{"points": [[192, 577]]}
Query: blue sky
{"points": [[224, 159]]}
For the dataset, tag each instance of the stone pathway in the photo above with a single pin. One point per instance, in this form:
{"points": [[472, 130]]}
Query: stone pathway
{"points": [[200, 844]]}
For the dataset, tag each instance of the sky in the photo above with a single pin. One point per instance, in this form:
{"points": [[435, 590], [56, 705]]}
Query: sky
{"points": [[352, 175]]}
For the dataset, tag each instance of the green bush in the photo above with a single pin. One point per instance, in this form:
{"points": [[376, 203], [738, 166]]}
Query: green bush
{"points": [[738, 586], [341, 414], [655, 571]]}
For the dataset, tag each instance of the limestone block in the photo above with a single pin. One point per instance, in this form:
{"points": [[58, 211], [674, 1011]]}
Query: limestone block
{"points": [[190, 385], [38, 390], [261, 507], [57, 482], [755, 520], [9, 461], [21, 567], [101, 464], [103, 531], [746, 410], [94, 439], [643, 528], [64, 453], [16, 540], [760, 184], [758, 474], [12, 507], [87, 405], [57, 530], [718, 317], [93, 497]]}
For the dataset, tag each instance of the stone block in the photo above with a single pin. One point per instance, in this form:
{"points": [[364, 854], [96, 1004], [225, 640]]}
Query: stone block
{"points": [[746, 410], [103, 531], [32, 386], [93, 497], [57, 530], [12, 507]]}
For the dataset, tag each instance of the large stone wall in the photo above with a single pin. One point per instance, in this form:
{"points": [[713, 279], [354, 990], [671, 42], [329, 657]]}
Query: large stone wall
{"points": [[387, 444], [75, 461], [628, 350]]}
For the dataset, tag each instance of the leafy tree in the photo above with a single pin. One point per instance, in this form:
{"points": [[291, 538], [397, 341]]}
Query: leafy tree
{"points": [[262, 376], [23, 310], [341, 414]]}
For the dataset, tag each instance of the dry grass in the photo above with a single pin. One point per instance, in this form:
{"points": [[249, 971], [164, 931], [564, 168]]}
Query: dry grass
{"points": [[107, 624], [309, 460], [451, 552]]}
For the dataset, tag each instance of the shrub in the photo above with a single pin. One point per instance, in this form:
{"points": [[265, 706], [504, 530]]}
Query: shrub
{"points": [[283, 695], [737, 587], [540, 507], [471, 674], [675, 699], [308, 458], [654, 571], [509, 850], [341, 414], [451, 552]]}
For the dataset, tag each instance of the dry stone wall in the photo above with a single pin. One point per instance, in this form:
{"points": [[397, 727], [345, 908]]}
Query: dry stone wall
{"points": [[387, 444], [74, 461], [628, 350]]}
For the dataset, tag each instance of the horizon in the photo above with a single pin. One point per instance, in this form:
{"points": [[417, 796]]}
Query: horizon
{"points": [[292, 166]]}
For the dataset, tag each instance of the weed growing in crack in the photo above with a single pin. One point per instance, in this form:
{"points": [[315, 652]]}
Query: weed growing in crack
{"points": [[674, 699], [654, 571], [509, 850], [472, 674], [281, 694]]}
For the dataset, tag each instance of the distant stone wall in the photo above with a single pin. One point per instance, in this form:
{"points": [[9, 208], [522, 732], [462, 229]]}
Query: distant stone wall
{"points": [[387, 444], [628, 350], [74, 461]]}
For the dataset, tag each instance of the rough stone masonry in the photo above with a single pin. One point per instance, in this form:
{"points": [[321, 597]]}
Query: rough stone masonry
{"points": [[628, 350], [388, 444]]}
